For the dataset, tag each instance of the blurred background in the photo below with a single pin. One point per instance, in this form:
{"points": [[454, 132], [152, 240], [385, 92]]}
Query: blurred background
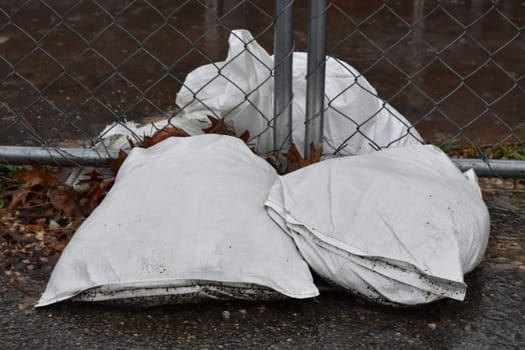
{"points": [[454, 68]]}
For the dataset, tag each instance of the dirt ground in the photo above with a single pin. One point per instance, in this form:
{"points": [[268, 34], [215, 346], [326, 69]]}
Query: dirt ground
{"points": [[491, 317]]}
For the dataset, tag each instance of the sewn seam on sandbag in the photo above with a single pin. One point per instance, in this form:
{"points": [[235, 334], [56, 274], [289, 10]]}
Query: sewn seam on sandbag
{"points": [[435, 286], [430, 281], [317, 237], [326, 239]]}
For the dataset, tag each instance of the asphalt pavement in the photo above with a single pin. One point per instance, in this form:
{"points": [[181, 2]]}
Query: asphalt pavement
{"points": [[491, 317]]}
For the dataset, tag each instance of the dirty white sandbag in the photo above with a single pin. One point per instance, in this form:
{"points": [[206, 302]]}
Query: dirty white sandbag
{"points": [[184, 221], [117, 135], [398, 226], [356, 121], [240, 89]]}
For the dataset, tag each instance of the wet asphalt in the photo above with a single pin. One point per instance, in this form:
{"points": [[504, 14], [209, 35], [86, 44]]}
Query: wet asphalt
{"points": [[68, 68], [491, 317]]}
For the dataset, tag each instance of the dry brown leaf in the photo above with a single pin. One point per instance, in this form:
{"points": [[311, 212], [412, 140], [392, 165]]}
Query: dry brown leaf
{"points": [[66, 200], [97, 193], [161, 135], [57, 246], [245, 136], [18, 198], [296, 160], [316, 154], [92, 176], [34, 228], [115, 164], [131, 143], [219, 126], [37, 175], [273, 162]]}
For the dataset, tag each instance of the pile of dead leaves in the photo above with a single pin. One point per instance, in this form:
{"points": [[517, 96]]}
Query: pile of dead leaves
{"points": [[39, 213], [218, 126]]}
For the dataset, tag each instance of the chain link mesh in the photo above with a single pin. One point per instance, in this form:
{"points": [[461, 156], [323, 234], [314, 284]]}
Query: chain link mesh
{"points": [[68, 68], [455, 69]]}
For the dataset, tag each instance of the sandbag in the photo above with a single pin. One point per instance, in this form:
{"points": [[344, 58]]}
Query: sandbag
{"points": [[240, 89], [183, 222], [397, 226], [356, 120]]}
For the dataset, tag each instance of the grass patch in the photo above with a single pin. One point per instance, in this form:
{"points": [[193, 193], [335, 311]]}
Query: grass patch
{"points": [[514, 150]]}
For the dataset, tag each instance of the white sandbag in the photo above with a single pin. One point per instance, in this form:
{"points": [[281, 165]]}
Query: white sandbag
{"points": [[183, 222], [356, 120], [118, 134], [240, 89], [398, 226]]}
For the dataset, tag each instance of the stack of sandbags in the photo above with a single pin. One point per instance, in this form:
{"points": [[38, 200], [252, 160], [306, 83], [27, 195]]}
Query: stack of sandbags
{"points": [[185, 221]]}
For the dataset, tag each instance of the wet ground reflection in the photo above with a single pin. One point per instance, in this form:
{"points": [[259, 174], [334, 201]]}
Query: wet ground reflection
{"points": [[455, 68]]}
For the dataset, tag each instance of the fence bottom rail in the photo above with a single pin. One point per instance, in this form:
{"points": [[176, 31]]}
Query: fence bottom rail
{"points": [[19, 155]]}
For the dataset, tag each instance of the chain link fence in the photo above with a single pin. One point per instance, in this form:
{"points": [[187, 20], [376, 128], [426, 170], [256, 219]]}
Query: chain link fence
{"points": [[453, 68], [70, 68]]}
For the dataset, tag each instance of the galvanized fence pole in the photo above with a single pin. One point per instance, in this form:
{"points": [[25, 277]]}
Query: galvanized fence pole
{"points": [[315, 73], [283, 60], [20, 155]]}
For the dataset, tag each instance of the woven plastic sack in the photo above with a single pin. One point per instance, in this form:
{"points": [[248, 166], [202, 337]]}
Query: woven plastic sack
{"points": [[184, 221], [240, 89], [398, 226]]}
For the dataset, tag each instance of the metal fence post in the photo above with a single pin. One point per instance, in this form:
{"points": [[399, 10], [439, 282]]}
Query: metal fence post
{"points": [[315, 73], [283, 94]]}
